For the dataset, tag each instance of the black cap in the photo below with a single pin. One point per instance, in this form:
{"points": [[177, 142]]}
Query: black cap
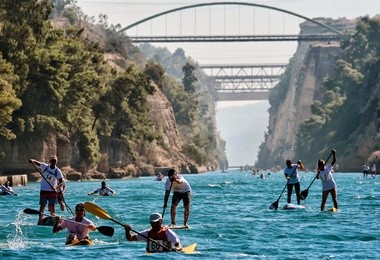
{"points": [[79, 206]]}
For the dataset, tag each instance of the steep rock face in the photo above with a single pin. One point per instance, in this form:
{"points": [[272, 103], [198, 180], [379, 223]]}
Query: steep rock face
{"points": [[312, 64]]}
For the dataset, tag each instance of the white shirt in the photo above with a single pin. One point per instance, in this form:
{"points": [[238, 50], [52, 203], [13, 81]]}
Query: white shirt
{"points": [[182, 187], [81, 231], [327, 179], [51, 175]]}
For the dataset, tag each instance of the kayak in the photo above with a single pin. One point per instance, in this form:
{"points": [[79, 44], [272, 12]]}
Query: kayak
{"points": [[189, 249], [185, 250], [7, 193], [84, 242]]}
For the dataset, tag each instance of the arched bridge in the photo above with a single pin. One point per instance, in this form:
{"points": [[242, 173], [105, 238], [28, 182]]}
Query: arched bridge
{"points": [[245, 81], [331, 34]]}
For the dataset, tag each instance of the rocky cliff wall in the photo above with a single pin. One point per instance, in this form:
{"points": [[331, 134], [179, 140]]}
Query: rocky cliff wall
{"points": [[311, 64], [115, 162]]}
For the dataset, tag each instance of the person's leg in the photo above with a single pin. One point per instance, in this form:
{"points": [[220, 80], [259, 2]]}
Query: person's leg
{"points": [[290, 190], [297, 187], [43, 202], [186, 206], [324, 199], [334, 196], [52, 201], [60, 201], [173, 209]]}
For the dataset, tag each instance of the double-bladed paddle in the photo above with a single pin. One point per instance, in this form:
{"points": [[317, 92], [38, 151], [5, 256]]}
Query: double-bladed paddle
{"points": [[275, 204], [105, 230], [98, 211], [304, 193]]}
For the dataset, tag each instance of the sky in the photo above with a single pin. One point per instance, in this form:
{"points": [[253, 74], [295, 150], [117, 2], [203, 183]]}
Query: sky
{"points": [[241, 124], [224, 20]]}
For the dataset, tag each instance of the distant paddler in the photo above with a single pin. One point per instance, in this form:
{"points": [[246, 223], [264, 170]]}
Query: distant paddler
{"points": [[104, 190], [325, 174], [6, 189]]}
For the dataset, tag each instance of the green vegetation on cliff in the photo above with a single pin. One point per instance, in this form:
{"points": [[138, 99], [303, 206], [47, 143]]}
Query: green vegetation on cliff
{"points": [[56, 81], [350, 104]]}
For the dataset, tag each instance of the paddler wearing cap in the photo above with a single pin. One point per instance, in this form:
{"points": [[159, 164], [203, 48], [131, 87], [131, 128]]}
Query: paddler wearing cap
{"points": [[157, 233], [75, 232], [51, 177]]}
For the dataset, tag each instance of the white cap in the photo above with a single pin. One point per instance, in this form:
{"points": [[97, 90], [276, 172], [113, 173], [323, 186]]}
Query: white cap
{"points": [[154, 217]]}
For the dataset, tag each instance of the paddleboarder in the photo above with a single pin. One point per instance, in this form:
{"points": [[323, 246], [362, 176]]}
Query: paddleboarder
{"points": [[291, 174], [104, 190], [328, 182], [51, 177], [164, 239], [75, 231], [181, 191]]}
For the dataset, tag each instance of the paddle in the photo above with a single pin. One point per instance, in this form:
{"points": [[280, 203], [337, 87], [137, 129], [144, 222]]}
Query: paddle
{"points": [[167, 194], [275, 204], [304, 193], [105, 230], [98, 211], [67, 206]]}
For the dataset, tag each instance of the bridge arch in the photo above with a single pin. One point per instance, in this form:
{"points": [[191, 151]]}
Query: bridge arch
{"points": [[229, 3]]}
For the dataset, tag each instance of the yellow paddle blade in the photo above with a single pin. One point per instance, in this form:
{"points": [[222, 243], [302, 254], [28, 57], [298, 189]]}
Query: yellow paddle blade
{"points": [[96, 210], [189, 249]]}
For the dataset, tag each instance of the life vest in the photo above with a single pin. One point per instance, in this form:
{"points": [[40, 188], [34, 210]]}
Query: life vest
{"points": [[161, 238]]}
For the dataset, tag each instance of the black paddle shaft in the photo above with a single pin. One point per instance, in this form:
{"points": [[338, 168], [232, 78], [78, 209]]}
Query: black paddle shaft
{"points": [[166, 200]]}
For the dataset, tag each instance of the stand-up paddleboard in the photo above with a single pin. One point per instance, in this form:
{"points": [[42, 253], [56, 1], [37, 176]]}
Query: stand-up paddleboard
{"points": [[332, 210], [47, 221], [293, 206], [178, 227]]}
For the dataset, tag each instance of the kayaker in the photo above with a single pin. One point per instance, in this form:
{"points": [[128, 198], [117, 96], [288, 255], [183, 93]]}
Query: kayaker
{"points": [[328, 182], [104, 190], [181, 191], [291, 174], [159, 234], [51, 177], [75, 232], [6, 189]]}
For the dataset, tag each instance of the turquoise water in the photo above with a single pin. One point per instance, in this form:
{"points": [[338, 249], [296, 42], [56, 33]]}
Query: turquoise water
{"points": [[230, 219]]}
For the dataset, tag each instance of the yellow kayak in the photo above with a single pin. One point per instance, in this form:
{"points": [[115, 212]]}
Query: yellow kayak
{"points": [[189, 249], [84, 242], [185, 250]]}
